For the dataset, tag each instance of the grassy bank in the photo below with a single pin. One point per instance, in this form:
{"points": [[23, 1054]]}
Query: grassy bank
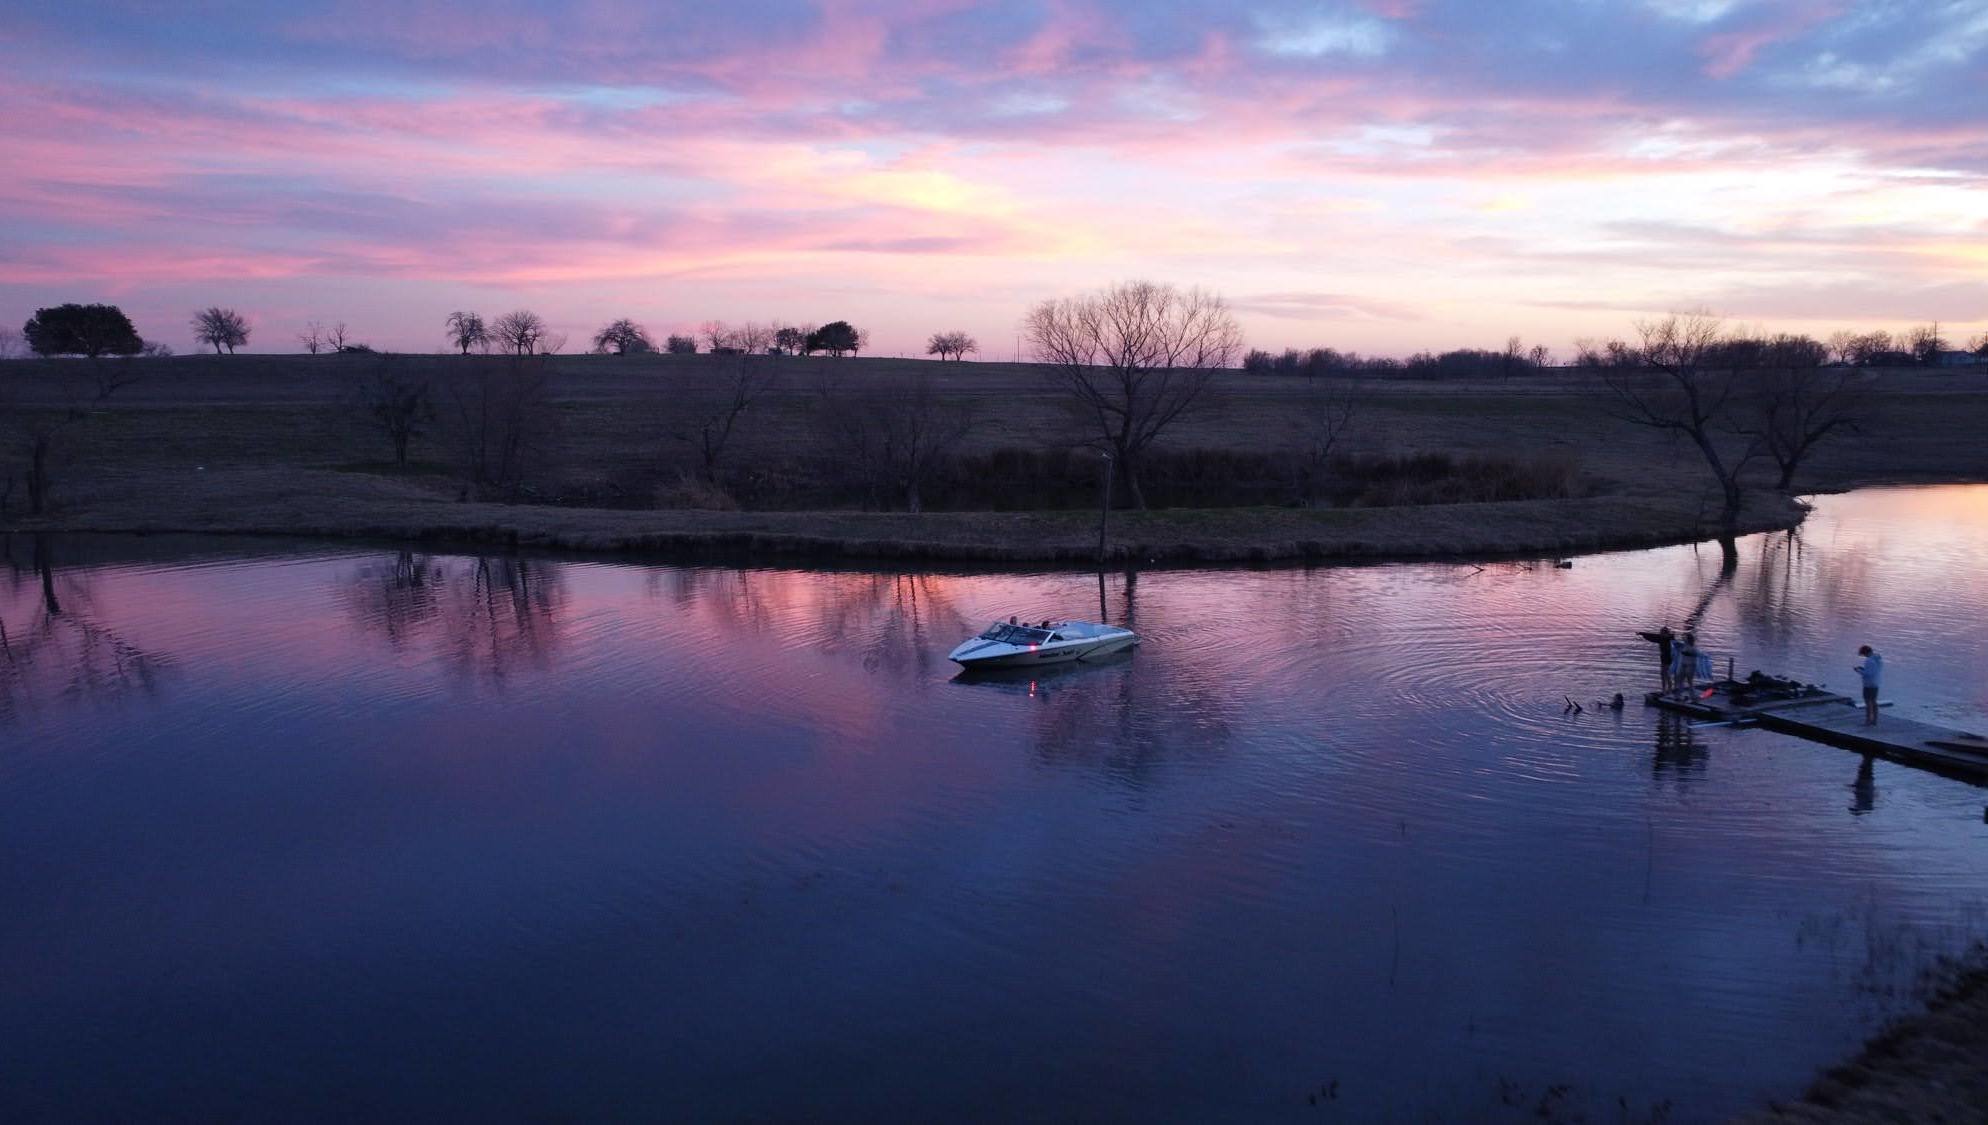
{"points": [[276, 445], [327, 503], [1928, 1068]]}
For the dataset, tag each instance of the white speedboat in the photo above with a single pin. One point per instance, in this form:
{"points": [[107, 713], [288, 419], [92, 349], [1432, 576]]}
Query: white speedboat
{"points": [[1004, 645]]}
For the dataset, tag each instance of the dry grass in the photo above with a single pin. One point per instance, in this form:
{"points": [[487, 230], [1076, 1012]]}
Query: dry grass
{"points": [[255, 443], [1925, 1069]]}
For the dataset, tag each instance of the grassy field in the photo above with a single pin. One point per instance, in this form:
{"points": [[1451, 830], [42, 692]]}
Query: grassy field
{"points": [[276, 444]]}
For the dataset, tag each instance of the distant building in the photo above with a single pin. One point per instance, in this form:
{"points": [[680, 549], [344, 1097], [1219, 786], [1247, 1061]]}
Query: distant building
{"points": [[1958, 359]]}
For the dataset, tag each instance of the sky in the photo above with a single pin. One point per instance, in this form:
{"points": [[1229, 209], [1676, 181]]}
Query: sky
{"points": [[1379, 175]]}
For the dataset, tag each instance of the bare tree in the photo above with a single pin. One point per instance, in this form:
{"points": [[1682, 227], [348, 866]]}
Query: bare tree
{"points": [[221, 328], [623, 337], [1678, 393], [335, 337], [753, 338], [951, 345], [717, 335], [714, 416], [1324, 414], [312, 337], [40, 426], [1925, 343], [467, 330], [400, 403], [681, 345], [520, 331], [1134, 359], [1980, 345], [897, 442], [500, 420], [10, 344], [1841, 345], [1791, 410], [552, 343]]}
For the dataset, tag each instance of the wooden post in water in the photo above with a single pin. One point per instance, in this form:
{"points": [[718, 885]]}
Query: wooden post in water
{"points": [[1104, 508]]}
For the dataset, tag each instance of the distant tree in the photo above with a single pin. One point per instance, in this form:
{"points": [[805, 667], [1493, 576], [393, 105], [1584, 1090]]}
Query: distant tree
{"points": [[335, 338], [1840, 344], [66, 399], [85, 330], [1610, 355], [1867, 348], [1980, 344], [520, 332], [221, 328], [552, 343], [838, 338], [1925, 343], [753, 338], [896, 443], [789, 339], [10, 344], [1679, 392], [714, 416], [312, 337], [1514, 357], [468, 331], [623, 337], [500, 420], [717, 334], [1324, 414], [153, 349], [1793, 407], [400, 403], [681, 345], [950, 345], [1133, 359], [356, 349]]}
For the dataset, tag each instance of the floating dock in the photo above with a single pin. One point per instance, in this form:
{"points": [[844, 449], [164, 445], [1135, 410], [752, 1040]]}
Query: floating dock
{"points": [[1811, 712]]}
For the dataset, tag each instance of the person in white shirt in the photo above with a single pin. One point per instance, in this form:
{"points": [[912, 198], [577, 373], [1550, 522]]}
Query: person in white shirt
{"points": [[1872, 673]]}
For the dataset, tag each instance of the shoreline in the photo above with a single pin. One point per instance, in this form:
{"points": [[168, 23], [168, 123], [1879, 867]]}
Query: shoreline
{"points": [[1923, 1067], [331, 505]]}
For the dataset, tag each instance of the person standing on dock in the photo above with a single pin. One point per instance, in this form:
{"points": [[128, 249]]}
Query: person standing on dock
{"points": [[1684, 671], [1666, 642], [1872, 673]]}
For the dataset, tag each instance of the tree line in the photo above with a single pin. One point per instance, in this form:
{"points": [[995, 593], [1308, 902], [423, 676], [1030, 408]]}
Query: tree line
{"points": [[1923, 346], [1461, 363], [97, 330]]}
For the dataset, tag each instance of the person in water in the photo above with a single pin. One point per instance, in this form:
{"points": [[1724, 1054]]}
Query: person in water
{"points": [[1666, 642], [1871, 671]]}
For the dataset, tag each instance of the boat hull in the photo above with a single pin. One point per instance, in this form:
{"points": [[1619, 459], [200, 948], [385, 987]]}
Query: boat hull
{"points": [[1009, 656]]}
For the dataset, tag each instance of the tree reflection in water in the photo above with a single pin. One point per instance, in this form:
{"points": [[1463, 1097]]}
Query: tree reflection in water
{"points": [[487, 616], [53, 641]]}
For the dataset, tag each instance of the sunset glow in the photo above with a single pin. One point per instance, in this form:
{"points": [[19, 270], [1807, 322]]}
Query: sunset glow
{"points": [[1383, 175]]}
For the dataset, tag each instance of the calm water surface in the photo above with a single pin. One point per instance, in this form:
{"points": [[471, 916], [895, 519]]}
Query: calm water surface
{"points": [[355, 833]]}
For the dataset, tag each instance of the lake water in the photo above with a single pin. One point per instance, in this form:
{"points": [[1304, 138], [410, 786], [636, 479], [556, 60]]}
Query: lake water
{"points": [[307, 831]]}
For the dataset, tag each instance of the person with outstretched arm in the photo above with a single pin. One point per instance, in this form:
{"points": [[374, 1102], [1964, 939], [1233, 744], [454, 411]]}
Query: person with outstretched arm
{"points": [[1665, 640], [1871, 671]]}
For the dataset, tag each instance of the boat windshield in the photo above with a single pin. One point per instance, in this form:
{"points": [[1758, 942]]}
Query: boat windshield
{"points": [[1015, 634]]}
